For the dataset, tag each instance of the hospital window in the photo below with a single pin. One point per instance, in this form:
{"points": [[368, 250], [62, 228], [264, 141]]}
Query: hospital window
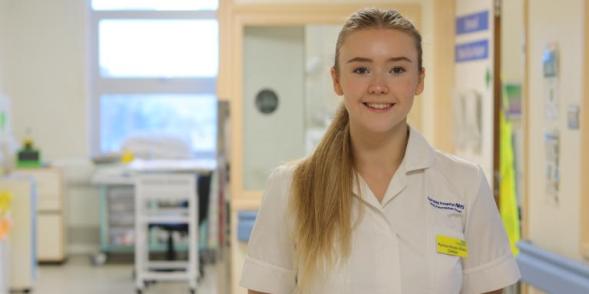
{"points": [[154, 69]]}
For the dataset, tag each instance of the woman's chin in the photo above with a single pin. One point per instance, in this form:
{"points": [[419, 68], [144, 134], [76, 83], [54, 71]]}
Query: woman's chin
{"points": [[383, 128]]}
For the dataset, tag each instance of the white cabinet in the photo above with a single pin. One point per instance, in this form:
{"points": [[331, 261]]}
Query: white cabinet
{"points": [[51, 237], [21, 262]]}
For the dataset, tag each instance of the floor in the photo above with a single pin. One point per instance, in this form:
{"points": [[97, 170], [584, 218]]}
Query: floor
{"points": [[79, 275]]}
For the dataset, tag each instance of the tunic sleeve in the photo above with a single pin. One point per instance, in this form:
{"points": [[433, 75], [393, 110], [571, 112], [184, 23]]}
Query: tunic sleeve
{"points": [[490, 264], [268, 265]]}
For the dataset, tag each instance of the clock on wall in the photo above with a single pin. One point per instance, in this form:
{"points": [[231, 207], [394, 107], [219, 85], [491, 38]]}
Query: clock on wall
{"points": [[267, 101]]}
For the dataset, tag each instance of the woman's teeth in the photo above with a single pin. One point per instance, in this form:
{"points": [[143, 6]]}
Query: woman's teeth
{"points": [[378, 105]]}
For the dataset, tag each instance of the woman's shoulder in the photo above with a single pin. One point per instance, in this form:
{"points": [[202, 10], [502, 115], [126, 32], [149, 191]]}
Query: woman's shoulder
{"points": [[278, 186], [280, 178], [458, 172], [423, 154], [284, 171], [453, 164]]}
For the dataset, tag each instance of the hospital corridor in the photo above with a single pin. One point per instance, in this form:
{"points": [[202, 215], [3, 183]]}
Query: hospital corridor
{"points": [[294, 146]]}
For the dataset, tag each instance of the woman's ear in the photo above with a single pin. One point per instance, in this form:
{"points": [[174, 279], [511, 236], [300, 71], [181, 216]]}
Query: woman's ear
{"points": [[337, 87], [420, 82]]}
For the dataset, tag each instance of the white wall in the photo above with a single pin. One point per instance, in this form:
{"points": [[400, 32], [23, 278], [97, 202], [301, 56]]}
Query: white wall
{"points": [[2, 41], [43, 71], [512, 41], [555, 226]]}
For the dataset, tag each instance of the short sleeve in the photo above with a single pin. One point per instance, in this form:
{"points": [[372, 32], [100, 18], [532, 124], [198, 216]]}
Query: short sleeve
{"points": [[268, 265], [490, 264]]}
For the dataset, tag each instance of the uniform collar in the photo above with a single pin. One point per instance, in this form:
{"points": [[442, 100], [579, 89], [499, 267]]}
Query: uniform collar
{"points": [[419, 155]]}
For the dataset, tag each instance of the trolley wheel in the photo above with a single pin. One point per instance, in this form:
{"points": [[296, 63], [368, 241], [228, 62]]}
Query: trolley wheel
{"points": [[201, 271], [98, 259], [192, 291], [138, 291], [149, 283]]}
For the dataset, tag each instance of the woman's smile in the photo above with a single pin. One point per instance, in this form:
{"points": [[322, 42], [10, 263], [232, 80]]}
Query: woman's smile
{"points": [[378, 107]]}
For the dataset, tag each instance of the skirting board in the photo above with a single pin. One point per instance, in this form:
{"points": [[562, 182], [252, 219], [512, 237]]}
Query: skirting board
{"points": [[551, 272]]}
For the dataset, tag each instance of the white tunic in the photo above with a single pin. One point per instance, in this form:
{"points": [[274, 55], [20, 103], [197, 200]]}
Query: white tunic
{"points": [[394, 245]]}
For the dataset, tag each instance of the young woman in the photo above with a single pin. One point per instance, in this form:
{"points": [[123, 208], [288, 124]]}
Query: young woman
{"points": [[375, 209]]}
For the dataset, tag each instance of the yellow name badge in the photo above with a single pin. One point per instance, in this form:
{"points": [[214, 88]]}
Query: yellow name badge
{"points": [[451, 246]]}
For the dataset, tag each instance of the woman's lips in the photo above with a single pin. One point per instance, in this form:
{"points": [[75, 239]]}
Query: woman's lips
{"points": [[378, 107]]}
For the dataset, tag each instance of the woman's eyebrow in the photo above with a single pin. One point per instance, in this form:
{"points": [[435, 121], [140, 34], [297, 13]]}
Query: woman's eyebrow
{"points": [[400, 58], [359, 59], [392, 59]]}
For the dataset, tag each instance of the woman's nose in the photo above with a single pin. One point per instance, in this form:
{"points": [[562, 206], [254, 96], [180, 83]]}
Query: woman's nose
{"points": [[378, 86]]}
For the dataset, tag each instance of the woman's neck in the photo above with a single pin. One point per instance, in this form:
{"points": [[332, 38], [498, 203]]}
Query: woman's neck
{"points": [[379, 152]]}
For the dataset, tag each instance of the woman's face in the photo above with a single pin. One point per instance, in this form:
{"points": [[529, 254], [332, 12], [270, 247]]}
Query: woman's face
{"points": [[378, 77]]}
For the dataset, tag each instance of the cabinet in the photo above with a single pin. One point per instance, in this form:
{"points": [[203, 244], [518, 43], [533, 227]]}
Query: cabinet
{"points": [[21, 263], [51, 235]]}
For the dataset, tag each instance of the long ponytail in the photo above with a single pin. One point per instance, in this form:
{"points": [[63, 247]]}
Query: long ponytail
{"points": [[322, 202]]}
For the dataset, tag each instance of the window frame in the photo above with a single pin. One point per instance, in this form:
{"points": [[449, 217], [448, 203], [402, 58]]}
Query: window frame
{"points": [[100, 86]]}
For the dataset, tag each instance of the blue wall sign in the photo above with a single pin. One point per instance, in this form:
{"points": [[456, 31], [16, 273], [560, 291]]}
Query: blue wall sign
{"points": [[472, 51], [472, 23]]}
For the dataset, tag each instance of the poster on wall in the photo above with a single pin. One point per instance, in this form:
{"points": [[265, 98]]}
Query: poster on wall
{"points": [[551, 118], [473, 89], [551, 93], [512, 101], [468, 122], [552, 168]]}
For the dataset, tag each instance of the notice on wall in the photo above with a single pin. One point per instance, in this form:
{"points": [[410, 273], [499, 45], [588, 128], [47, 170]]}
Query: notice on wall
{"points": [[552, 134], [550, 73], [468, 121], [552, 168]]}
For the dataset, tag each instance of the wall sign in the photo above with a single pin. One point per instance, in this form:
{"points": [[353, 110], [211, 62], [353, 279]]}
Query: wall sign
{"points": [[472, 23], [477, 50]]}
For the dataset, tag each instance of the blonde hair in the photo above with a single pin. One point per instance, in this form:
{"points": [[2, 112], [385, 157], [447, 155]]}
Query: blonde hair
{"points": [[373, 18], [321, 189]]}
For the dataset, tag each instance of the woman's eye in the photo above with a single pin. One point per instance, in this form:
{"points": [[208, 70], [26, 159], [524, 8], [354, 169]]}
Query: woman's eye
{"points": [[360, 70], [397, 70]]}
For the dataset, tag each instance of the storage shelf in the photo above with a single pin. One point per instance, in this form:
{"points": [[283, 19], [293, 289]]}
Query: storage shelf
{"points": [[166, 219]]}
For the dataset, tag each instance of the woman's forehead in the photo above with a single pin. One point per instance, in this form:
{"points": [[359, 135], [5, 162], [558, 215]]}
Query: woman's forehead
{"points": [[385, 43]]}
